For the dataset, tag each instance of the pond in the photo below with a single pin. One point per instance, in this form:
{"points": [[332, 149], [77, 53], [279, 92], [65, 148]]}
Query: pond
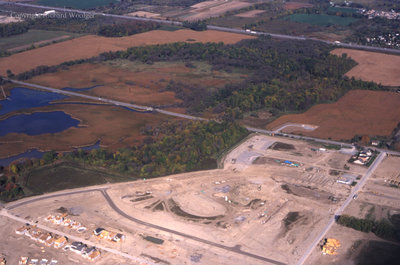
{"points": [[37, 123]]}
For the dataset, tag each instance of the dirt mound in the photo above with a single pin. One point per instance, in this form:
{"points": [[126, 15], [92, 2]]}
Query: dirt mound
{"points": [[199, 205]]}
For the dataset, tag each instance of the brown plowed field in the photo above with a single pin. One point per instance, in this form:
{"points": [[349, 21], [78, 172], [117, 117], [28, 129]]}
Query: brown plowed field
{"points": [[296, 5], [358, 112], [89, 46], [372, 66]]}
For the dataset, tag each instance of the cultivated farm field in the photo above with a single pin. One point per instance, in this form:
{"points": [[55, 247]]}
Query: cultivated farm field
{"points": [[321, 20], [31, 37], [76, 3], [295, 5], [359, 112], [90, 45], [377, 67]]}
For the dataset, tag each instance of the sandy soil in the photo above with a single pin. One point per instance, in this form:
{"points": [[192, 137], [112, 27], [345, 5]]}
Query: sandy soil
{"points": [[372, 66], [358, 112], [251, 13], [255, 216], [90, 46], [295, 5], [215, 10], [115, 127]]}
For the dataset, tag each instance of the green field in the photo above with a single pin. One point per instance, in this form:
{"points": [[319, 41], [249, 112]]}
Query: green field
{"points": [[66, 175], [320, 20], [79, 4], [31, 37]]}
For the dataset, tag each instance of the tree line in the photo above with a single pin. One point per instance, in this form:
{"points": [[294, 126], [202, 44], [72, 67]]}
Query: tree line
{"points": [[104, 26], [168, 148], [10, 29], [383, 228]]}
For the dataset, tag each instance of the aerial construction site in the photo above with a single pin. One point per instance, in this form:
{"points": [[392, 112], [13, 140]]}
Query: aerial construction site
{"points": [[272, 201]]}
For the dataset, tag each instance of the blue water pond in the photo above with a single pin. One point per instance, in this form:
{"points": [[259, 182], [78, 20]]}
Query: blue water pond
{"points": [[25, 98], [37, 123]]}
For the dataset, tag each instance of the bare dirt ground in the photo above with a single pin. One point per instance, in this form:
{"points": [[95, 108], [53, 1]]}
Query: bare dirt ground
{"points": [[90, 46], [372, 66], [295, 5], [144, 14], [377, 200], [137, 82], [358, 112], [251, 13], [113, 126], [256, 202], [6, 19], [212, 9]]}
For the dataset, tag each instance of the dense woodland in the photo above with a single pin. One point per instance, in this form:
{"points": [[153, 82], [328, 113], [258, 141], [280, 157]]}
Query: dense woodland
{"points": [[171, 147], [11, 29], [108, 27]]}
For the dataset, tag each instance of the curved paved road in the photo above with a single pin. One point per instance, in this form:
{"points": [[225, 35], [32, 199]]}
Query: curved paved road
{"points": [[211, 27], [103, 191]]}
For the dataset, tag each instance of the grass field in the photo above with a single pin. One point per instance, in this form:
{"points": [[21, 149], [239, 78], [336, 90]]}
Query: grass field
{"points": [[91, 45], [138, 82], [65, 175], [359, 112], [31, 37], [79, 4], [372, 66], [320, 20]]}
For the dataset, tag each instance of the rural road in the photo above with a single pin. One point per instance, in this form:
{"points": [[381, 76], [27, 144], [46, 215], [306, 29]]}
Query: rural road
{"points": [[210, 27], [103, 191], [105, 100], [339, 211], [5, 213]]}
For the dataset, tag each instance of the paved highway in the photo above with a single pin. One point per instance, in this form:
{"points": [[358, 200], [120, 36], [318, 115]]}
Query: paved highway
{"points": [[339, 211], [103, 191], [239, 31], [5, 213]]}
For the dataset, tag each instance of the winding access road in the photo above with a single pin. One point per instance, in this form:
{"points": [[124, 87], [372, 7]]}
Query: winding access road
{"points": [[210, 27], [103, 191]]}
